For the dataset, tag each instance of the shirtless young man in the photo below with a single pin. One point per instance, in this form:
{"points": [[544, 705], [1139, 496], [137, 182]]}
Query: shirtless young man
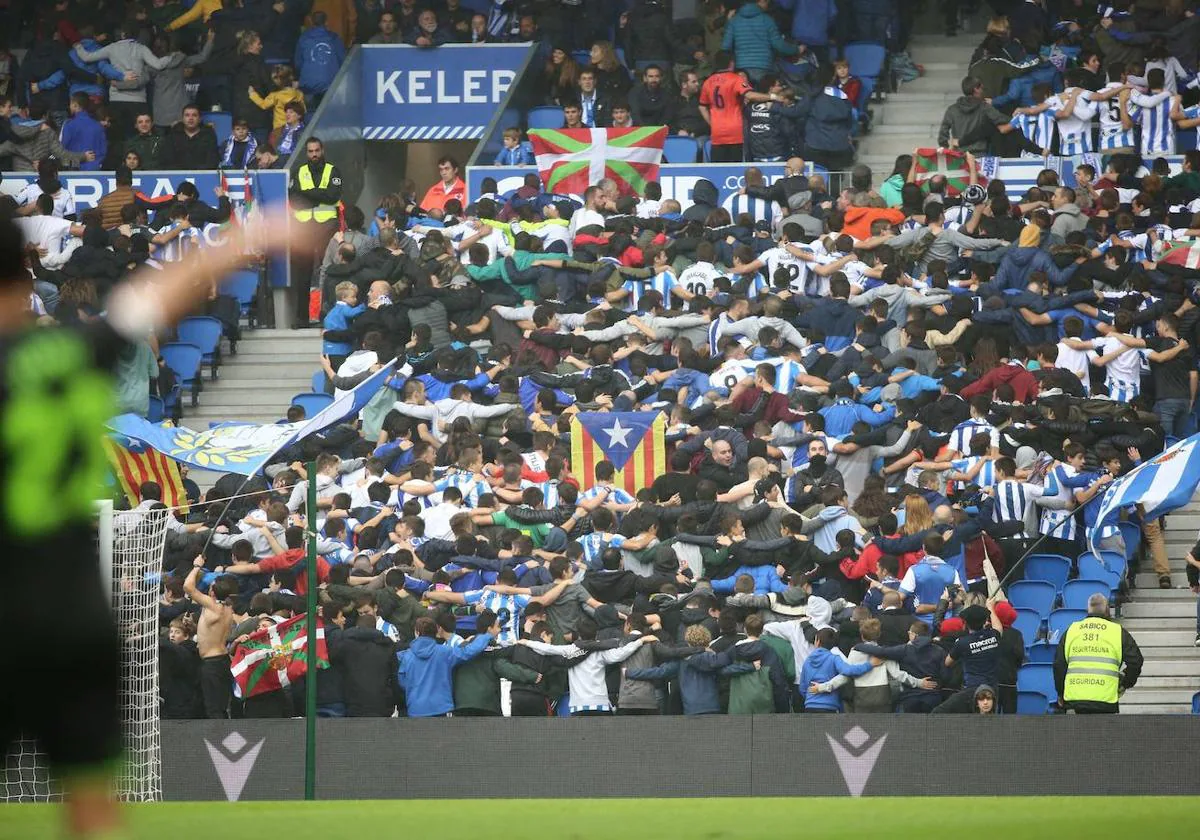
{"points": [[216, 619]]}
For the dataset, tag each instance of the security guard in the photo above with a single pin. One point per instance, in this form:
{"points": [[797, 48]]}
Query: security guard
{"points": [[1096, 661], [315, 193]]}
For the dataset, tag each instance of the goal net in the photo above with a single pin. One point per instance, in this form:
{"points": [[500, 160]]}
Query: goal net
{"points": [[130, 545]]}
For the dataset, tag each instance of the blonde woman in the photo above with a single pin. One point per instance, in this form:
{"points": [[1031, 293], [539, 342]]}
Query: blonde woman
{"points": [[251, 76], [612, 79], [917, 516]]}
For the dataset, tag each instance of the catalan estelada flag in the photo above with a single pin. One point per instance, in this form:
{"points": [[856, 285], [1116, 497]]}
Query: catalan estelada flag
{"points": [[134, 464], [572, 159], [632, 440]]}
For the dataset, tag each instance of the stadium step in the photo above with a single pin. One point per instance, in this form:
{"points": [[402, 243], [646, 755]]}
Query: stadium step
{"points": [[1152, 610], [1188, 668], [1158, 696], [1137, 626], [1142, 708], [257, 385]]}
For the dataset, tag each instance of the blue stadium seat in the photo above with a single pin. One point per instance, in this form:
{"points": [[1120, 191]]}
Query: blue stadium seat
{"points": [[243, 286], [157, 410], [582, 57], [205, 333], [1060, 620], [1077, 592], [1132, 534], [1030, 625], [1041, 653], [678, 149], [1049, 567], [544, 116], [312, 403], [184, 362], [866, 58], [1093, 568], [1185, 141], [1039, 678], [319, 382], [707, 151], [1032, 703], [222, 123], [1196, 703], [1036, 595]]}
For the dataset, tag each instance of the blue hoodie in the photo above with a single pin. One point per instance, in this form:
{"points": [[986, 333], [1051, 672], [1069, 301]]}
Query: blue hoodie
{"points": [[834, 519], [426, 673], [766, 579], [821, 666], [319, 55], [752, 36], [81, 133]]}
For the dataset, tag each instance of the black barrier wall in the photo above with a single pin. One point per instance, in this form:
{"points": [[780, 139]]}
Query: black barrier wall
{"points": [[801, 755]]}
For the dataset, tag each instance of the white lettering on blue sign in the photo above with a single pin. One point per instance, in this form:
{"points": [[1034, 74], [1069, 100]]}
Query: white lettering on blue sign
{"points": [[441, 87]]}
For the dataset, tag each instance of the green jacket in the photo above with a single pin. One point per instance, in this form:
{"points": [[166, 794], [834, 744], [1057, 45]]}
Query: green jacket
{"points": [[150, 148], [890, 189], [477, 681], [750, 693]]}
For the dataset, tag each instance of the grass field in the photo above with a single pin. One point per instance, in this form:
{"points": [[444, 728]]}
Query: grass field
{"points": [[1019, 818]]}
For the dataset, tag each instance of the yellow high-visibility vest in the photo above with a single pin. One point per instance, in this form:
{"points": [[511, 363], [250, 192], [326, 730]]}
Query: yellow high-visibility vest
{"points": [[321, 212], [1093, 648]]}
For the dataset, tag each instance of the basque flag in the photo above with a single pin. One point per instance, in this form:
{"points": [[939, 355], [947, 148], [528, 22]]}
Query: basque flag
{"points": [[572, 159], [951, 163], [1164, 483], [276, 657], [632, 440]]}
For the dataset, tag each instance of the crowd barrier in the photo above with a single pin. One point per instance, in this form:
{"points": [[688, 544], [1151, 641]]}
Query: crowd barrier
{"points": [[772, 755], [678, 180], [263, 188]]}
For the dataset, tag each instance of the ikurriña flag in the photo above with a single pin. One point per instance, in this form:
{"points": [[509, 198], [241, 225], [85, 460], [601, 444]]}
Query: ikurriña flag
{"points": [[634, 441], [572, 159], [276, 657], [951, 163]]}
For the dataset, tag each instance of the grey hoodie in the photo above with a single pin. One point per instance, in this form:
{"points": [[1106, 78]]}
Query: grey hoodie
{"points": [[1067, 219], [128, 56]]}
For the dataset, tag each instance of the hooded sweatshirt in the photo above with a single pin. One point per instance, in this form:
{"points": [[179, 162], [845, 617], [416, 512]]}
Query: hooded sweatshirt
{"points": [[821, 666], [427, 669], [824, 527], [705, 199], [966, 117]]}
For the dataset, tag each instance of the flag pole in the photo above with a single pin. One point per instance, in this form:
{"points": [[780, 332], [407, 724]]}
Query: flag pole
{"points": [[310, 678]]}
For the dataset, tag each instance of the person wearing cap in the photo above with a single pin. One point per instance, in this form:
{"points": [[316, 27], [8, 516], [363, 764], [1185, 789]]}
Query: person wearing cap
{"points": [[979, 651], [1095, 662], [985, 701]]}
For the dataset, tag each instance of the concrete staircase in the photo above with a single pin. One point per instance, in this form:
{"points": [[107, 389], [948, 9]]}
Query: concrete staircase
{"points": [[909, 119], [1163, 621], [257, 385]]}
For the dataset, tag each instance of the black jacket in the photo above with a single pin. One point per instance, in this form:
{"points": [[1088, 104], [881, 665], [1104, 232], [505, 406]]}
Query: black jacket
{"points": [[179, 680], [251, 71], [195, 152], [367, 661]]}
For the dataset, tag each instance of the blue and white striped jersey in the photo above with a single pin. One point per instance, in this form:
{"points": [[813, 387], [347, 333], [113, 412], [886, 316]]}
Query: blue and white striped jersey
{"points": [[663, 283], [1037, 128], [1158, 132], [549, 490], [1113, 133], [616, 495], [986, 477], [507, 608], [759, 209], [1075, 129], [593, 546], [960, 437], [1013, 499], [467, 483]]}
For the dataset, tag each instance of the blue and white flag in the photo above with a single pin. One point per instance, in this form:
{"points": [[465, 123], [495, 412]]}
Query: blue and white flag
{"points": [[245, 448], [1164, 483]]}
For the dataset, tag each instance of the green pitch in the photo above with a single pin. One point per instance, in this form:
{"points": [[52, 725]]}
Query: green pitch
{"points": [[1053, 818]]}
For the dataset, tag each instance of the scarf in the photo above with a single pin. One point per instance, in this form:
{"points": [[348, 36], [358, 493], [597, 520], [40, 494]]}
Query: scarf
{"points": [[227, 161], [287, 138]]}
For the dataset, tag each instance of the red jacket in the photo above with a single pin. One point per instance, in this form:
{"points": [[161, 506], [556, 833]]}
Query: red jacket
{"points": [[289, 560], [776, 408], [868, 560], [1025, 387]]}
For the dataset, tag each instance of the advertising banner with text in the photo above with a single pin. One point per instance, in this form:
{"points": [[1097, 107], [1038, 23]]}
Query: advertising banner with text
{"points": [[449, 92]]}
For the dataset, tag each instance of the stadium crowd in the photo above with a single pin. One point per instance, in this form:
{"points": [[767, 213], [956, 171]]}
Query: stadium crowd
{"points": [[877, 400]]}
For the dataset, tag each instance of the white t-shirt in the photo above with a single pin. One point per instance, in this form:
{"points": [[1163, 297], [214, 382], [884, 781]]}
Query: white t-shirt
{"points": [[44, 231], [582, 218], [1076, 361], [699, 278], [777, 258], [1127, 367]]}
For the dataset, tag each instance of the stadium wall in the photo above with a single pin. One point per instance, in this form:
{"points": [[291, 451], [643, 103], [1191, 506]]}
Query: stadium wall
{"points": [[800, 755]]}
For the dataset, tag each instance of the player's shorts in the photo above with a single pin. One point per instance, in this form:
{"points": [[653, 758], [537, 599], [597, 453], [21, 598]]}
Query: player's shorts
{"points": [[63, 671]]}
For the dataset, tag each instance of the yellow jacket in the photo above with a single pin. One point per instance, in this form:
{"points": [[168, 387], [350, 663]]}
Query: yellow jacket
{"points": [[200, 7], [277, 99]]}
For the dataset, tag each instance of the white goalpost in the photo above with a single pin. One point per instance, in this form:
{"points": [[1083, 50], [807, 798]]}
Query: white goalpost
{"points": [[131, 546]]}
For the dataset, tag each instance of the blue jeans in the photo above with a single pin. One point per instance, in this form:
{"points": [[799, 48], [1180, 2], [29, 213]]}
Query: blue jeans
{"points": [[48, 292], [1173, 413]]}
